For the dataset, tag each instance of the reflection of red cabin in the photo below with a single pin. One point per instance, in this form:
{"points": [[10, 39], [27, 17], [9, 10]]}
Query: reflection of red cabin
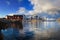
{"points": [[15, 17]]}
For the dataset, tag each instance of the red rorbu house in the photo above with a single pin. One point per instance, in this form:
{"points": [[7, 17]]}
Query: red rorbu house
{"points": [[15, 21], [15, 17]]}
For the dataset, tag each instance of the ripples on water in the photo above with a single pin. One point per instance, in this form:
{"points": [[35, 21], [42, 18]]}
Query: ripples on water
{"points": [[38, 30]]}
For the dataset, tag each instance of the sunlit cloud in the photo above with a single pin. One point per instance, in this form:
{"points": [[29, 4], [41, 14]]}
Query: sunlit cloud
{"points": [[20, 11], [11, 14], [46, 6], [51, 7]]}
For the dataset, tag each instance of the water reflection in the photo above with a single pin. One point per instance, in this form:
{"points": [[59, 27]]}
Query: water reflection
{"points": [[33, 30], [47, 29], [40, 25]]}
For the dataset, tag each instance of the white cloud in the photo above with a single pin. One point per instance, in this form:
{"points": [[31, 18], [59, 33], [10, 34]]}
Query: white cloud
{"points": [[48, 6], [21, 10], [11, 14]]}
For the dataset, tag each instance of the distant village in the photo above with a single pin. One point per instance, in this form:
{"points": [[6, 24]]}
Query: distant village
{"points": [[9, 21], [23, 17], [18, 19]]}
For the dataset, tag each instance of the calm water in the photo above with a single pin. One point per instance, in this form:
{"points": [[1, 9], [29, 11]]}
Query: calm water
{"points": [[33, 30], [46, 29]]}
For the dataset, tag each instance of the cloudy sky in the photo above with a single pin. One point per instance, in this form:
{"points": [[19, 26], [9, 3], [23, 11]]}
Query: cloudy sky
{"points": [[48, 8]]}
